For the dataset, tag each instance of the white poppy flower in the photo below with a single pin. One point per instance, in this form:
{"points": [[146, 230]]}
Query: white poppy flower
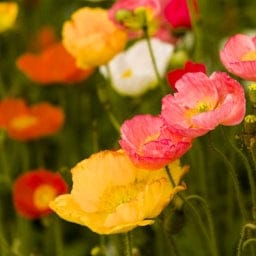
{"points": [[132, 71]]}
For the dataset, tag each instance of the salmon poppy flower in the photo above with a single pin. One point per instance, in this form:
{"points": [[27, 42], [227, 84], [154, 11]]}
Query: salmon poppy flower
{"points": [[92, 38], [8, 15], [110, 195], [52, 65], [33, 190], [174, 75], [24, 123], [177, 13], [201, 103], [239, 56], [149, 143]]}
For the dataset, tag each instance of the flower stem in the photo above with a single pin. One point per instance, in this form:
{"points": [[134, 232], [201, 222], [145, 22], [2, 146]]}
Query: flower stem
{"points": [[233, 175], [194, 212], [127, 244], [249, 172], [153, 59], [240, 247]]}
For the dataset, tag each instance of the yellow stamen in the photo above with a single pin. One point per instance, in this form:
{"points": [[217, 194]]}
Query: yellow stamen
{"points": [[23, 122], [127, 73], [249, 56], [43, 195]]}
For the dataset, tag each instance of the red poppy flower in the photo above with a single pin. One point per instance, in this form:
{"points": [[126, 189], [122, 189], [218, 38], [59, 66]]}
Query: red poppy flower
{"points": [[23, 122], [177, 13], [190, 67], [33, 191]]}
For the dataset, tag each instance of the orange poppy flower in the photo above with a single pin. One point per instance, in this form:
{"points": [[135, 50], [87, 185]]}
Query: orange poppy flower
{"points": [[52, 65], [23, 122], [32, 192]]}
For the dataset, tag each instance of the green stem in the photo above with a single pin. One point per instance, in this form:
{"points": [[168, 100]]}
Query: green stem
{"points": [[153, 59], [249, 172], [194, 212], [232, 174], [59, 251], [127, 244], [209, 218], [240, 247]]}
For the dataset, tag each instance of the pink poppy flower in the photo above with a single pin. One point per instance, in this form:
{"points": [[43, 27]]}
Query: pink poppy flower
{"points": [[239, 56], [174, 75], [134, 15], [201, 103], [149, 143], [177, 13]]}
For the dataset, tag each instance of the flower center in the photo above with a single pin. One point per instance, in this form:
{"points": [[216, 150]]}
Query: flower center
{"points": [[117, 195], [148, 139], [23, 122], [249, 56], [127, 73], [43, 195]]}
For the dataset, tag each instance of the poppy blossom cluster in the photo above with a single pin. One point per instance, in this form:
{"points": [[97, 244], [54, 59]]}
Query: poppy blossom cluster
{"points": [[199, 105], [33, 190], [23, 122]]}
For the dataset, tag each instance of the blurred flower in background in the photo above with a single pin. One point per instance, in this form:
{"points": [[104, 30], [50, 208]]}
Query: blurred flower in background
{"points": [[132, 73], [33, 190], [239, 56], [91, 38], [125, 198], [178, 15], [8, 15], [23, 122]]}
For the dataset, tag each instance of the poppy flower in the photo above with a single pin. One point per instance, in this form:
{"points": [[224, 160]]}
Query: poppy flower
{"points": [[33, 190], [177, 13], [127, 196], [174, 75], [148, 142], [132, 72], [24, 123], [239, 56], [53, 65], [92, 38], [201, 103], [8, 15]]}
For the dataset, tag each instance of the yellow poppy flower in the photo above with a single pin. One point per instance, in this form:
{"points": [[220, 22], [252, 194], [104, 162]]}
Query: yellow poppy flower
{"points": [[110, 195], [92, 38], [8, 15]]}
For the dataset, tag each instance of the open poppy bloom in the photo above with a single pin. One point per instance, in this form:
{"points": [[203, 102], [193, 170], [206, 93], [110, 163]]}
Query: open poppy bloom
{"points": [[110, 195], [24, 123], [149, 143], [239, 56], [92, 38], [33, 190], [174, 75], [53, 65], [201, 103], [8, 15], [132, 72], [177, 13]]}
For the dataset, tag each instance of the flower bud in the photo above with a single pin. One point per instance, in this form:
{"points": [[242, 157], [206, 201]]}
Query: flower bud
{"points": [[252, 93], [250, 124]]}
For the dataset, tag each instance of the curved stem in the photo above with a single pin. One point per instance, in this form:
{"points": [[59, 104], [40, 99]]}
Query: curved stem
{"points": [[241, 241], [194, 212], [249, 172], [232, 173], [209, 218]]}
